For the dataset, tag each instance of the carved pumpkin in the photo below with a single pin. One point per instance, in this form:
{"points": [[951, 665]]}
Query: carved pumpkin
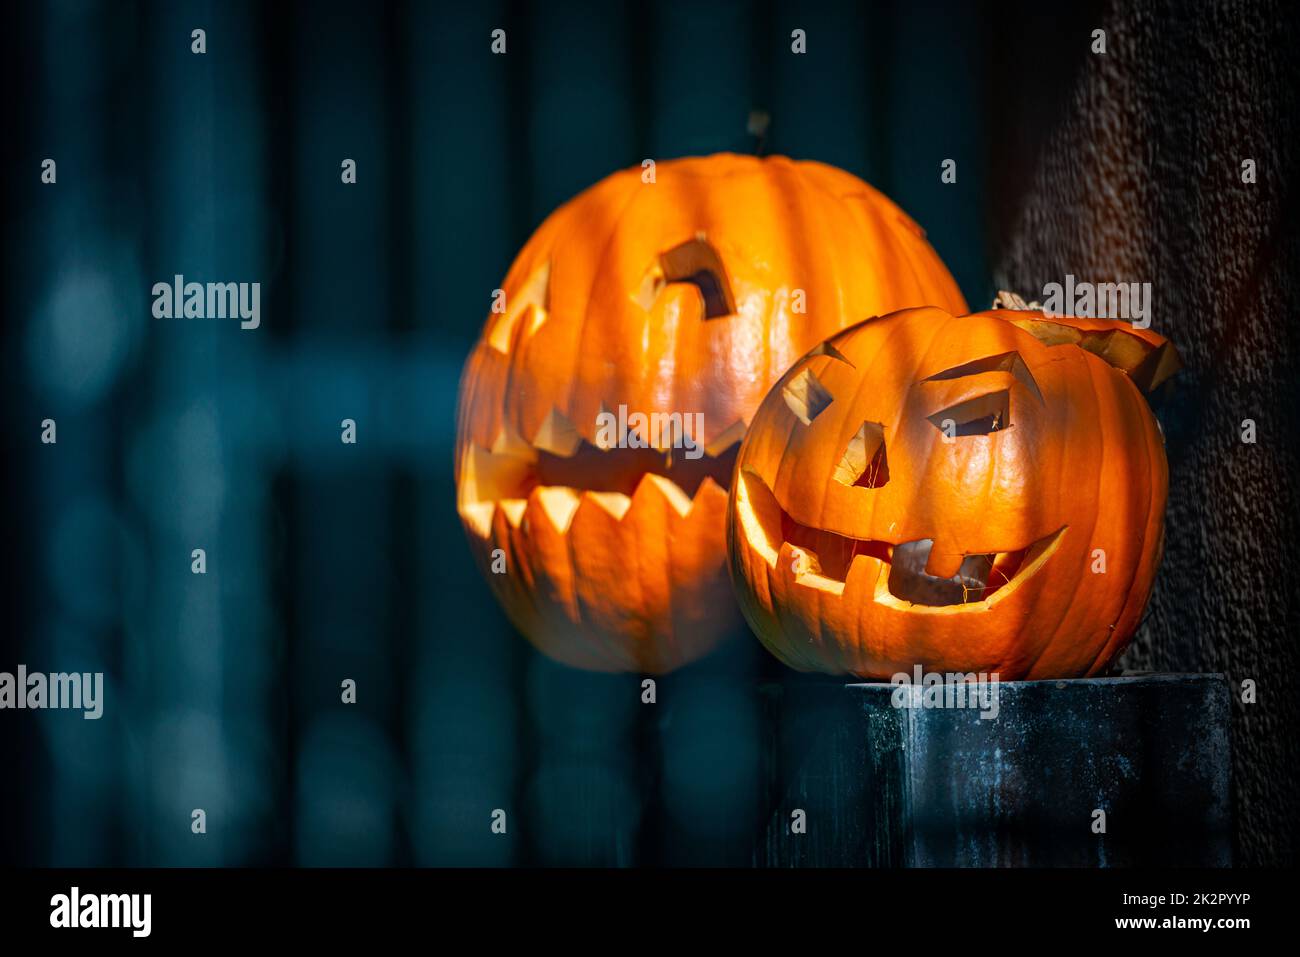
{"points": [[689, 294], [974, 494]]}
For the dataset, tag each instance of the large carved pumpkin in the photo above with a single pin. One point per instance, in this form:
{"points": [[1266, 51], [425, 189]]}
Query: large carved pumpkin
{"points": [[974, 494], [690, 293]]}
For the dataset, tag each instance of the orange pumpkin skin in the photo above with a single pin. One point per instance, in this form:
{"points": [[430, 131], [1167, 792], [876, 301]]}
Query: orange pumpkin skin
{"points": [[1054, 455], [689, 294]]}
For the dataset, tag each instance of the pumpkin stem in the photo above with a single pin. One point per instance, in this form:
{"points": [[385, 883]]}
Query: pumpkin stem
{"points": [[756, 126], [1012, 300]]}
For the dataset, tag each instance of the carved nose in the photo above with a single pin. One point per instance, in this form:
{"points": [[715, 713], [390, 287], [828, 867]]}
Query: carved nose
{"points": [[865, 463]]}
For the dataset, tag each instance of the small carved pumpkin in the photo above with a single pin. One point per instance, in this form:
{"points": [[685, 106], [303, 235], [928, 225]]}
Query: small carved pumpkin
{"points": [[974, 494], [687, 293]]}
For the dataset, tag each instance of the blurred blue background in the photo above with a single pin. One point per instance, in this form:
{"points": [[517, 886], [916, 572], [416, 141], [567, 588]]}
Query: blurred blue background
{"points": [[328, 561]]}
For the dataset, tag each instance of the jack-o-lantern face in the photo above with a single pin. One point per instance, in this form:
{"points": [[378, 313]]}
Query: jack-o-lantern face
{"points": [[686, 294], [983, 493]]}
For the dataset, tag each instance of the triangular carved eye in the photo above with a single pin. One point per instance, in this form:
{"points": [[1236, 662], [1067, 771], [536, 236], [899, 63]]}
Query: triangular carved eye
{"points": [[531, 300], [698, 263], [806, 396], [978, 416], [865, 463], [1005, 362]]}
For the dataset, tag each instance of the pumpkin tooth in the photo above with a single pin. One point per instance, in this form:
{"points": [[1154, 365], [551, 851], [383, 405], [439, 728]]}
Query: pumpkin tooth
{"points": [[925, 575], [615, 503], [556, 502], [806, 569], [513, 509], [665, 488], [487, 477], [708, 492], [867, 575], [557, 435], [595, 532], [510, 443], [931, 558], [478, 516], [561, 502]]}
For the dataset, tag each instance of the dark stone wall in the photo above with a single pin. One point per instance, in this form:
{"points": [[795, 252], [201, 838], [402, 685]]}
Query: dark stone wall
{"points": [[944, 787], [1141, 181]]}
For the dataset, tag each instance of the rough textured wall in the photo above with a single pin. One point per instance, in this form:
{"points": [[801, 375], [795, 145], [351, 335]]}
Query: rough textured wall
{"points": [[1142, 182]]}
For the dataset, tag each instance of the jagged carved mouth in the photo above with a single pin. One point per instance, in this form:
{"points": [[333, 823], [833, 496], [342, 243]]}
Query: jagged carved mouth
{"points": [[621, 470], [825, 559], [565, 469]]}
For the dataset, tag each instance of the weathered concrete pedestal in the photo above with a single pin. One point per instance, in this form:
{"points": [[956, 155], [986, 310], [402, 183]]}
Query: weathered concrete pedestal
{"points": [[916, 786]]}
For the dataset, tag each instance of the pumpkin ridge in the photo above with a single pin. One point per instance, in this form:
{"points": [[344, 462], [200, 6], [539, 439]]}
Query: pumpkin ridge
{"points": [[1090, 395], [633, 193]]}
